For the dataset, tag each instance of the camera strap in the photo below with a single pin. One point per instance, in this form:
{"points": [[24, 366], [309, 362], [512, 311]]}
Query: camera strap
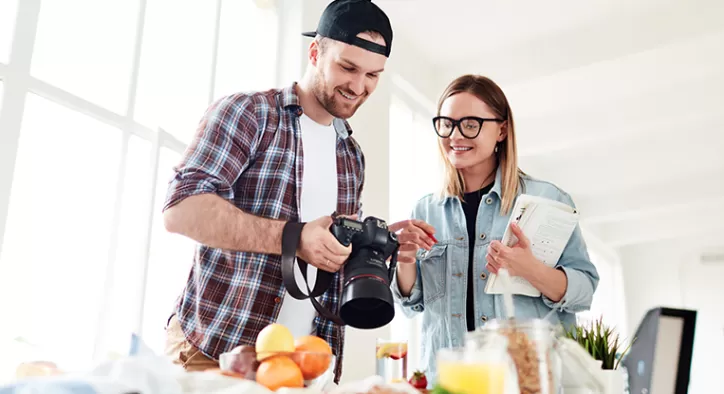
{"points": [[290, 241]]}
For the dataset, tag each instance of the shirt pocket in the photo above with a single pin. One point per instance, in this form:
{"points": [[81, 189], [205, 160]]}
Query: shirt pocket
{"points": [[433, 269]]}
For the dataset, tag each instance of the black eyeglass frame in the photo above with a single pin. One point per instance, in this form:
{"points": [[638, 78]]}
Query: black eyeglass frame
{"points": [[458, 123]]}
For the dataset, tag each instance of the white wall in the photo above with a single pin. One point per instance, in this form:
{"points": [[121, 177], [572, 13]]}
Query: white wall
{"points": [[670, 274], [655, 274], [651, 278]]}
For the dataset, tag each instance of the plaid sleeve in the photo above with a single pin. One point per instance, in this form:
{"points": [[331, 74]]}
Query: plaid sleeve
{"points": [[219, 152]]}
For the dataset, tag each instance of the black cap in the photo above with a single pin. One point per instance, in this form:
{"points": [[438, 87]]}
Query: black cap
{"points": [[342, 20]]}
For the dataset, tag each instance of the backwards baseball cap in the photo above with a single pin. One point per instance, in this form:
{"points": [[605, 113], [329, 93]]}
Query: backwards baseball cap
{"points": [[342, 20]]}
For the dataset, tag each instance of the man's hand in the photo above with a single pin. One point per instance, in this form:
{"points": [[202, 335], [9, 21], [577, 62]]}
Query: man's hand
{"points": [[413, 235], [320, 248]]}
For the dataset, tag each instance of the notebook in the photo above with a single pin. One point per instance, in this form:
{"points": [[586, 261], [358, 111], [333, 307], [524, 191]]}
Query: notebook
{"points": [[548, 224]]}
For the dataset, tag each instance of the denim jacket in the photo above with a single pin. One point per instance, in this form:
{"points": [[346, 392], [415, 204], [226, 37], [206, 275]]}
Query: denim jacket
{"points": [[439, 292]]}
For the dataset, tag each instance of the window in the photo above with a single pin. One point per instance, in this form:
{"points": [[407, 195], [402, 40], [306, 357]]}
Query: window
{"points": [[125, 284], [8, 10], [86, 48], [169, 261], [413, 146], [86, 260], [240, 50], [175, 76], [58, 230]]}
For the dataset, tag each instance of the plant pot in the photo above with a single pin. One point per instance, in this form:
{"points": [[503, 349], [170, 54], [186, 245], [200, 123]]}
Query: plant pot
{"points": [[613, 379]]}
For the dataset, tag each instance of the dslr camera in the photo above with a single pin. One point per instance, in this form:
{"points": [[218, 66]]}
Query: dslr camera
{"points": [[366, 296]]}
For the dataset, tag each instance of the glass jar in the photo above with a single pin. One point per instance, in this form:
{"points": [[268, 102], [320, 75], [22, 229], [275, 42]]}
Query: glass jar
{"points": [[474, 370], [532, 349]]}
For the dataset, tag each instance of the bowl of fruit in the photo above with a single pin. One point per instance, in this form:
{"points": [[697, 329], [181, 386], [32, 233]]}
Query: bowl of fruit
{"points": [[279, 360]]}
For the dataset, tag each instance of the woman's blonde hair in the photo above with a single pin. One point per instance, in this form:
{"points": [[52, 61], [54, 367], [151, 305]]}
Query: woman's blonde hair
{"points": [[492, 95]]}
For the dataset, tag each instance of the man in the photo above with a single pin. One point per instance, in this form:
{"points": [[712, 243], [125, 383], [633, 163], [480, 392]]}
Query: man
{"points": [[258, 161]]}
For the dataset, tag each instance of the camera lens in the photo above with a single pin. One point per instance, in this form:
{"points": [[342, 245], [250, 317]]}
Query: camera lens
{"points": [[366, 297]]}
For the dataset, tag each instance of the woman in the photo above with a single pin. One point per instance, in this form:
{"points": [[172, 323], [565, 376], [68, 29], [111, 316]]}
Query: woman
{"points": [[446, 281]]}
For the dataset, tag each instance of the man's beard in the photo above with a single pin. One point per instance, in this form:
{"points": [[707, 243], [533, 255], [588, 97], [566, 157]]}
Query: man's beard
{"points": [[333, 104]]}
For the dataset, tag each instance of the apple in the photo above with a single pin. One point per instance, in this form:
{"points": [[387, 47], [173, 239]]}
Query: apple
{"points": [[243, 349]]}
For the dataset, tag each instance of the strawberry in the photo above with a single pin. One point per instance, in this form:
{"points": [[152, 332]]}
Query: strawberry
{"points": [[398, 355], [418, 380]]}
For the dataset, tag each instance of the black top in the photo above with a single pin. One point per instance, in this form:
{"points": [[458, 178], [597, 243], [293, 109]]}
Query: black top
{"points": [[470, 207]]}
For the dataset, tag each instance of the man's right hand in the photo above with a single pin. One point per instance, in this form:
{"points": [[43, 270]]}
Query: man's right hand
{"points": [[320, 248]]}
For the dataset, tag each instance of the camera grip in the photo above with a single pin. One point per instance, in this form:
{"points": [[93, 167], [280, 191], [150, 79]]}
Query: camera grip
{"points": [[342, 236]]}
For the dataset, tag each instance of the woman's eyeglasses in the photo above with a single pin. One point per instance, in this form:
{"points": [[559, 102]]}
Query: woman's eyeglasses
{"points": [[469, 126]]}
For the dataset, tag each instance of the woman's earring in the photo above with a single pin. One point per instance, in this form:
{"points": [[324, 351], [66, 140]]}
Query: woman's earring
{"points": [[496, 148]]}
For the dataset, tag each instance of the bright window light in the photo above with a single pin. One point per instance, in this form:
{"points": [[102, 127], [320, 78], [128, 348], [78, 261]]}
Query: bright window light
{"points": [[125, 287], [8, 10], [176, 59], [413, 147], [86, 48], [58, 229], [246, 63], [85, 258], [169, 262]]}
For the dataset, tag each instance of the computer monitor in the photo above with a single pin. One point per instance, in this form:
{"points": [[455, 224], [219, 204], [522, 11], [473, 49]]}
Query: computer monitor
{"points": [[659, 361]]}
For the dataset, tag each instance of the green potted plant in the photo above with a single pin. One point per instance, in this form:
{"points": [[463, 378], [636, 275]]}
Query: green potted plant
{"points": [[603, 343]]}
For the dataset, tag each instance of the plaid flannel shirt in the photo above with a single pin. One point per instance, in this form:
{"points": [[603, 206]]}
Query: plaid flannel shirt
{"points": [[248, 151]]}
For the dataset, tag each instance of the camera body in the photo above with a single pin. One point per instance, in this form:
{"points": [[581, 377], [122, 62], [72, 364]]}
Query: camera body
{"points": [[371, 233], [367, 300]]}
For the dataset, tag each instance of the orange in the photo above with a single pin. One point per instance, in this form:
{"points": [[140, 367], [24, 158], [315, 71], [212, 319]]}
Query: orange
{"points": [[313, 355], [279, 371], [311, 343]]}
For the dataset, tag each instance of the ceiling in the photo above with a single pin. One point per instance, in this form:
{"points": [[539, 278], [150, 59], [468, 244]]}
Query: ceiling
{"points": [[620, 104]]}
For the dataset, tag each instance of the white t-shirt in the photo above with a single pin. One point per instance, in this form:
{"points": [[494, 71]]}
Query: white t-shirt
{"points": [[319, 198]]}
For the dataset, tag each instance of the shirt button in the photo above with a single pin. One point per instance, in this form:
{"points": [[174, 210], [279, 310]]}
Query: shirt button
{"points": [[484, 318], [460, 238], [483, 236], [483, 275], [277, 300], [489, 200]]}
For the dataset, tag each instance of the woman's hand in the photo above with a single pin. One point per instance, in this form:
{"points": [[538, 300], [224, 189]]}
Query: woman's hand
{"points": [[518, 259], [413, 235]]}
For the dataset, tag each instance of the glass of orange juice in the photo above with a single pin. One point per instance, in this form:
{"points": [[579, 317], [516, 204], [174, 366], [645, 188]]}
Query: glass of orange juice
{"points": [[469, 371]]}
